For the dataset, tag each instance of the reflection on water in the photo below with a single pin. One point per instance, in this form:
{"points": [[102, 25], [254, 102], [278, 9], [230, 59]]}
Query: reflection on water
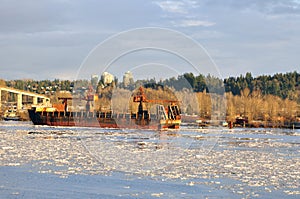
{"points": [[247, 162]]}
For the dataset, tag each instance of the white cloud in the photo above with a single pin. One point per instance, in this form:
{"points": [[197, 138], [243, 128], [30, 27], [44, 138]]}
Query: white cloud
{"points": [[183, 13], [195, 23], [177, 7], [268, 7], [172, 6]]}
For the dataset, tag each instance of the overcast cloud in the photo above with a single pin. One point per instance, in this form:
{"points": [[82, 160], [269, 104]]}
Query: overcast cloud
{"points": [[50, 39]]}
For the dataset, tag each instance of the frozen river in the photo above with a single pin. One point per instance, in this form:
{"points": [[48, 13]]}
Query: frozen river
{"points": [[48, 162]]}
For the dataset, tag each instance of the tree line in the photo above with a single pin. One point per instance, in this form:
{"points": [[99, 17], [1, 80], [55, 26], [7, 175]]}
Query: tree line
{"points": [[283, 85]]}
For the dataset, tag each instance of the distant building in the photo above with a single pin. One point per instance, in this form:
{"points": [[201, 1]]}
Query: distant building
{"points": [[94, 80], [128, 79], [107, 78]]}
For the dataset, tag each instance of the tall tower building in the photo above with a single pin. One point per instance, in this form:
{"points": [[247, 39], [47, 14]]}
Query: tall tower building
{"points": [[107, 78], [94, 80], [128, 79]]}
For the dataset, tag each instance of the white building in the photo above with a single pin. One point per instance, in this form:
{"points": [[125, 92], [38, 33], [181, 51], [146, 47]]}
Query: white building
{"points": [[128, 79], [94, 80], [107, 78]]}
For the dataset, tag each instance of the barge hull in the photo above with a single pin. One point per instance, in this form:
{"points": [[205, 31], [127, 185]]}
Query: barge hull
{"points": [[94, 119]]}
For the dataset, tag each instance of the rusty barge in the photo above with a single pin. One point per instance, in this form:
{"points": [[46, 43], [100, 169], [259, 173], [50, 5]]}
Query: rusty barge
{"points": [[165, 117]]}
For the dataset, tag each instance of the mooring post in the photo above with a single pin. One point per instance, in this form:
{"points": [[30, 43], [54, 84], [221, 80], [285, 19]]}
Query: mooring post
{"points": [[293, 126], [34, 100], [19, 101]]}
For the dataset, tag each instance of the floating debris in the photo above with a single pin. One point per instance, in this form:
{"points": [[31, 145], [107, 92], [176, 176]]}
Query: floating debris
{"points": [[157, 194]]}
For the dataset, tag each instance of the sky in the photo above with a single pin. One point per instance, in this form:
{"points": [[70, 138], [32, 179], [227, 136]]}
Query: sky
{"points": [[54, 38]]}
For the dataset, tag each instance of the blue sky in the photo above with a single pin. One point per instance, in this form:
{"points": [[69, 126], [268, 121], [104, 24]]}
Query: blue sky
{"points": [[50, 39]]}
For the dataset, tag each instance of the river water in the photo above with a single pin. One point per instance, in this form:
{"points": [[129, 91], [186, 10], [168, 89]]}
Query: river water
{"points": [[75, 162]]}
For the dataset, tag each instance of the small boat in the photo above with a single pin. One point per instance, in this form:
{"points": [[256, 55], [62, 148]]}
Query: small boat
{"points": [[165, 117], [11, 115]]}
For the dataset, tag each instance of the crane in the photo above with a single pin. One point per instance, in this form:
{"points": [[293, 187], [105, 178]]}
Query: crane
{"points": [[172, 110]]}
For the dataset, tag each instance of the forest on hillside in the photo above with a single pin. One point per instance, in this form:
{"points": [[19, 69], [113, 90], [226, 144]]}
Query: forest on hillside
{"points": [[283, 85]]}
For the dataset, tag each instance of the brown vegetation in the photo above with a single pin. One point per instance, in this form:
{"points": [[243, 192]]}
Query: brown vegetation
{"points": [[261, 108], [252, 105]]}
